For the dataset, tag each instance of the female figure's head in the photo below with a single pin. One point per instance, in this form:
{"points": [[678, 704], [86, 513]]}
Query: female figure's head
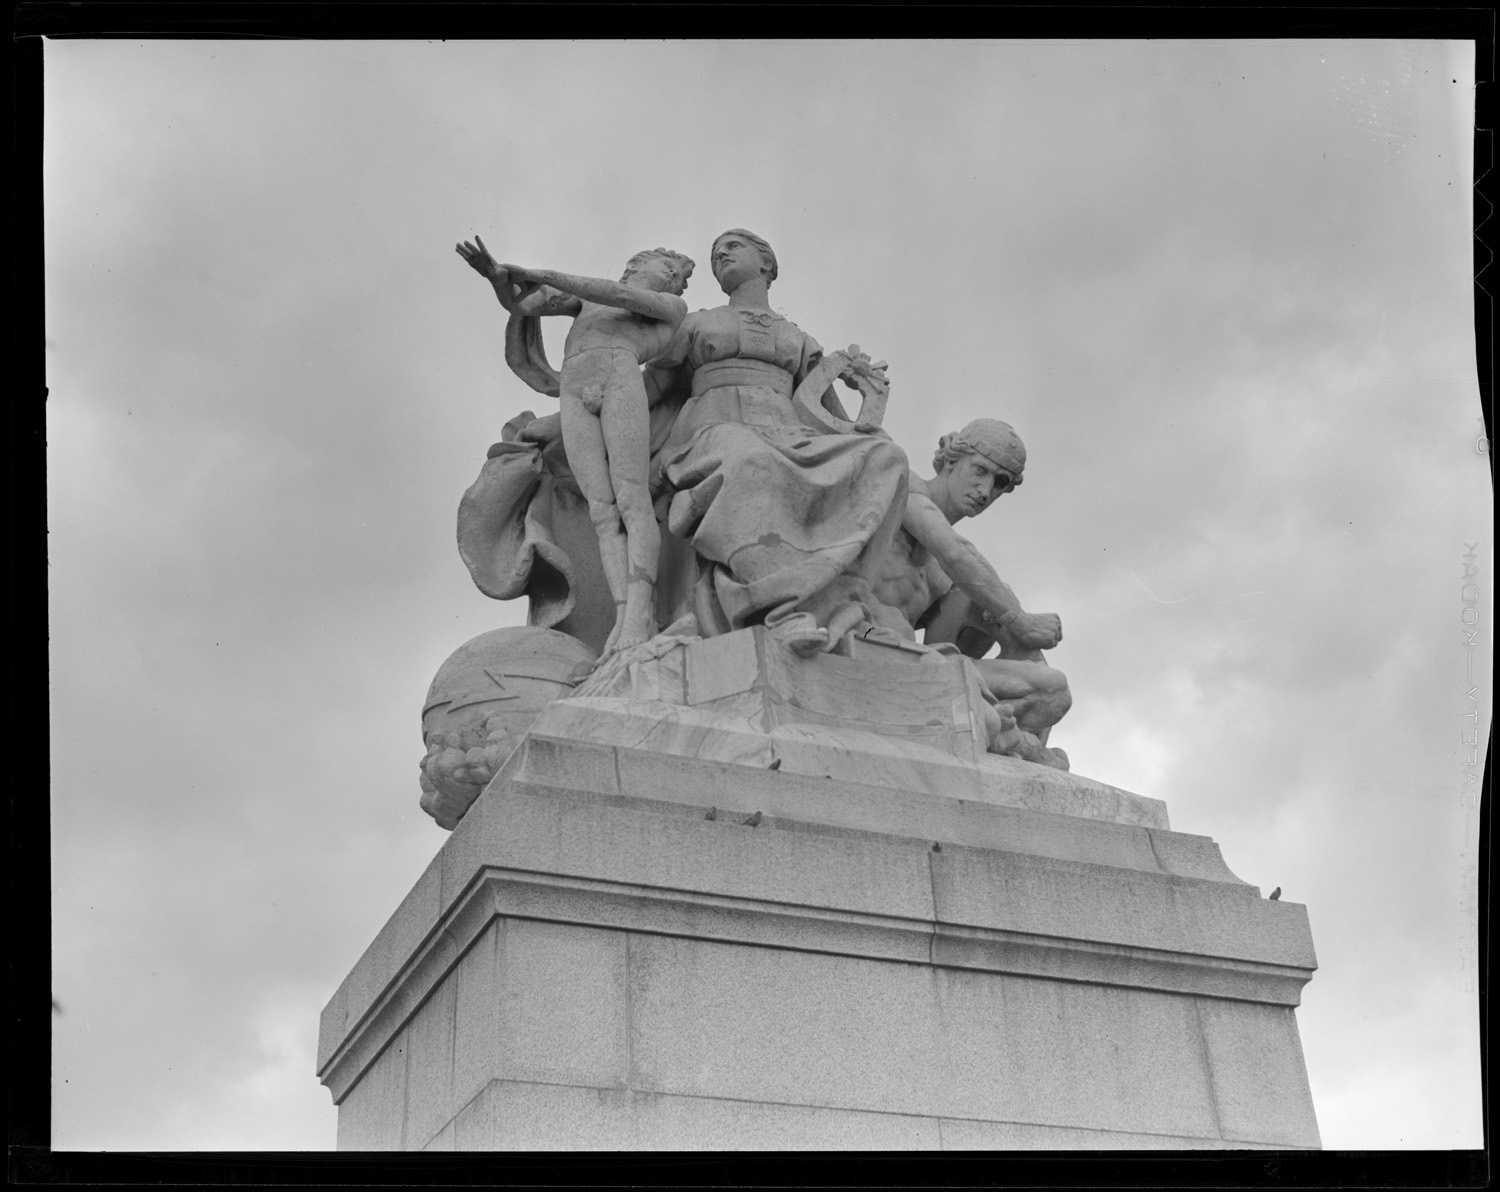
{"points": [[739, 256]]}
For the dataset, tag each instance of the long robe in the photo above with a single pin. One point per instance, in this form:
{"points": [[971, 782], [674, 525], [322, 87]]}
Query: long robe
{"points": [[780, 509]]}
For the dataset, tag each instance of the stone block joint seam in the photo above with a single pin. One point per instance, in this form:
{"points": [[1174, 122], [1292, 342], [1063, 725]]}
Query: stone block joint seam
{"points": [[1208, 1068]]}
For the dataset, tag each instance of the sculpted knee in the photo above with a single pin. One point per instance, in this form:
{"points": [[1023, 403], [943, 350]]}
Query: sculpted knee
{"points": [[604, 514], [634, 499]]}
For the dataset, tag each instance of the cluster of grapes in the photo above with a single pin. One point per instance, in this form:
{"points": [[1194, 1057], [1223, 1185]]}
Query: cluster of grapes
{"points": [[454, 771]]}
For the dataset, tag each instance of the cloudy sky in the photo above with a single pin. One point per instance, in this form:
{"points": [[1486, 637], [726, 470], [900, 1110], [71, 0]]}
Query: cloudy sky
{"points": [[1221, 289]]}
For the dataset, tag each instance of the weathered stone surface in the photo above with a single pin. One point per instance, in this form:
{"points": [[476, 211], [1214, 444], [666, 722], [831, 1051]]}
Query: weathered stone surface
{"points": [[1260, 1077], [964, 1135], [872, 1036], [476, 1028], [513, 1115], [372, 1115], [429, 1069], [562, 1013], [398, 939], [1018, 783]]}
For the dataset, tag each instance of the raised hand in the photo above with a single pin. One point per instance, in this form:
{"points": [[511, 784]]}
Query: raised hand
{"points": [[480, 260], [863, 373]]}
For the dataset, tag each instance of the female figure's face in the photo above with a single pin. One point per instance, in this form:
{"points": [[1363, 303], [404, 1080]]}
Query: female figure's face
{"points": [[735, 261]]}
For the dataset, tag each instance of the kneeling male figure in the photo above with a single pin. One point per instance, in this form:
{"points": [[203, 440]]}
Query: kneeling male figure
{"points": [[942, 584]]}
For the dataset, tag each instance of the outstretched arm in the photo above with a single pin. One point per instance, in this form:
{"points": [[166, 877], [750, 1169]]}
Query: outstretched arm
{"points": [[525, 298], [972, 572], [479, 259], [544, 300], [653, 304]]}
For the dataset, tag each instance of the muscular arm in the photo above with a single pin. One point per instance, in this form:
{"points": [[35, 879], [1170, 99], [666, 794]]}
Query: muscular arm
{"points": [[653, 304], [960, 559]]}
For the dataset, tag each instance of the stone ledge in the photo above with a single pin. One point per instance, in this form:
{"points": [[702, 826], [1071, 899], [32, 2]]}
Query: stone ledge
{"points": [[524, 1115], [696, 915]]}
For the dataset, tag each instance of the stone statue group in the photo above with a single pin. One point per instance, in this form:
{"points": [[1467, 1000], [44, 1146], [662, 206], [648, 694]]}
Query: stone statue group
{"points": [[701, 475]]}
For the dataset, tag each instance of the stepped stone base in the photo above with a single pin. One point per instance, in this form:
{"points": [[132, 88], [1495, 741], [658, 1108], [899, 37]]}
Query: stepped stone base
{"points": [[632, 942]]}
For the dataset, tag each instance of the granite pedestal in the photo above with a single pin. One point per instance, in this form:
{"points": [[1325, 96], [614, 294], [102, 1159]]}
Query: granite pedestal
{"points": [[716, 917]]}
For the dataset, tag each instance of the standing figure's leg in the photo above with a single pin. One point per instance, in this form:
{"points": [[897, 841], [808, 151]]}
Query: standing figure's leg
{"points": [[627, 443], [583, 440]]}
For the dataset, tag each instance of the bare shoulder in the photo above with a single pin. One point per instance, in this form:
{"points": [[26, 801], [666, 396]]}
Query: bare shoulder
{"points": [[921, 509], [925, 522]]}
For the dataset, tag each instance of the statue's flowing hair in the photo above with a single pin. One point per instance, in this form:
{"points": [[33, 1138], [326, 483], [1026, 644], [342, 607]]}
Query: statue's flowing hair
{"points": [[684, 263], [950, 449]]}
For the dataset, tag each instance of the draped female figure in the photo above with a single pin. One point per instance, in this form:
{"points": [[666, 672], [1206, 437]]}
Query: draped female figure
{"points": [[784, 515]]}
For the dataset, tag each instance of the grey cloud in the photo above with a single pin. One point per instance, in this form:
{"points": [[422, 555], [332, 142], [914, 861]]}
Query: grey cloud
{"points": [[1221, 290]]}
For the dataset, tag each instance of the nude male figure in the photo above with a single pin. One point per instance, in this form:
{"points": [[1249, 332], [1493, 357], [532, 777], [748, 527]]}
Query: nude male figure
{"points": [[617, 327], [941, 583]]}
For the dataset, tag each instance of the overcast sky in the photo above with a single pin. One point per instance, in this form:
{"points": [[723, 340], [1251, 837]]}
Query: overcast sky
{"points": [[1223, 291]]}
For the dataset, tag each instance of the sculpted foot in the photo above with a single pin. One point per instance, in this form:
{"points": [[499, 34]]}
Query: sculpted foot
{"points": [[800, 634], [1024, 745], [632, 636], [635, 624], [612, 642], [1004, 735], [684, 626]]}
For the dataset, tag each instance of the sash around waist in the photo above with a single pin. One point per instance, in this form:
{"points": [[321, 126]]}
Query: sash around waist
{"points": [[760, 374], [748, 405]]}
